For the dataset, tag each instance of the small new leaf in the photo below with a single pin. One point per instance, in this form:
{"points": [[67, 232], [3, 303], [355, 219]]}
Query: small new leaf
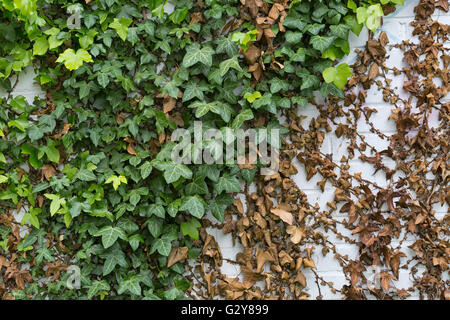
{"points": [[116, 180], [190, 228], [338, 75], [73, 60]]}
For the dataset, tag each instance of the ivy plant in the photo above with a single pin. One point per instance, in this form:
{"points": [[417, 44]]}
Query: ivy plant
{"points": [[89, 164]]}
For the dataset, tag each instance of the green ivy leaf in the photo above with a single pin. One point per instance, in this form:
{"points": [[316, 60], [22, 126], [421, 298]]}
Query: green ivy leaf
{"points": [[115, 180], [121, 26], [157, 210], [56, 203], [239, 120], [155, 226], [178, 15], [338, 75], [193, 90], [190, 228], [218, 206], [244, 38], [135, 240], [193, 205], [40, 46], [96, 286], [330, 88], [163, 246], [197, 186], [73, 60], [174, 171], [251, 97], [103, 79], [110, 235], [52, 154], [227, 184], [131, 285], [228, 64], [321, 43], [85, 175], [114, 257], [277, 85], [352, 22], [146, 169], [196, 54], [340, 30]]}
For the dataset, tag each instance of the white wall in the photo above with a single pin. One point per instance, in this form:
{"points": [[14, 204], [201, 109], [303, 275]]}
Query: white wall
{"points": [[397, 28]]}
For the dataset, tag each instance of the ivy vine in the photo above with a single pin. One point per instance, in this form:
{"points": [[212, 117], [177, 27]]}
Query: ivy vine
{"points": [[88, 166]]}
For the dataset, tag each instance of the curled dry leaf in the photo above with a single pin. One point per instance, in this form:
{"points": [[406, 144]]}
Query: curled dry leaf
{"points": [[48, 171], [296, 234], [284, 215], [261, 258], [169, 104], [239, 206], [177, 255], [130, 149]]}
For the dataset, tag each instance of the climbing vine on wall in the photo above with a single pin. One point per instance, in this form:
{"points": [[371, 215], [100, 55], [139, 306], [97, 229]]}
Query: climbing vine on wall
{"points": [[387, 216], [87, 168]]}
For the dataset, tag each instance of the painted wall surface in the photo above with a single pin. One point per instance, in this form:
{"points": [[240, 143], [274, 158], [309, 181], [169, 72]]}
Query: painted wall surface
{"points": [[397, 28]]}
